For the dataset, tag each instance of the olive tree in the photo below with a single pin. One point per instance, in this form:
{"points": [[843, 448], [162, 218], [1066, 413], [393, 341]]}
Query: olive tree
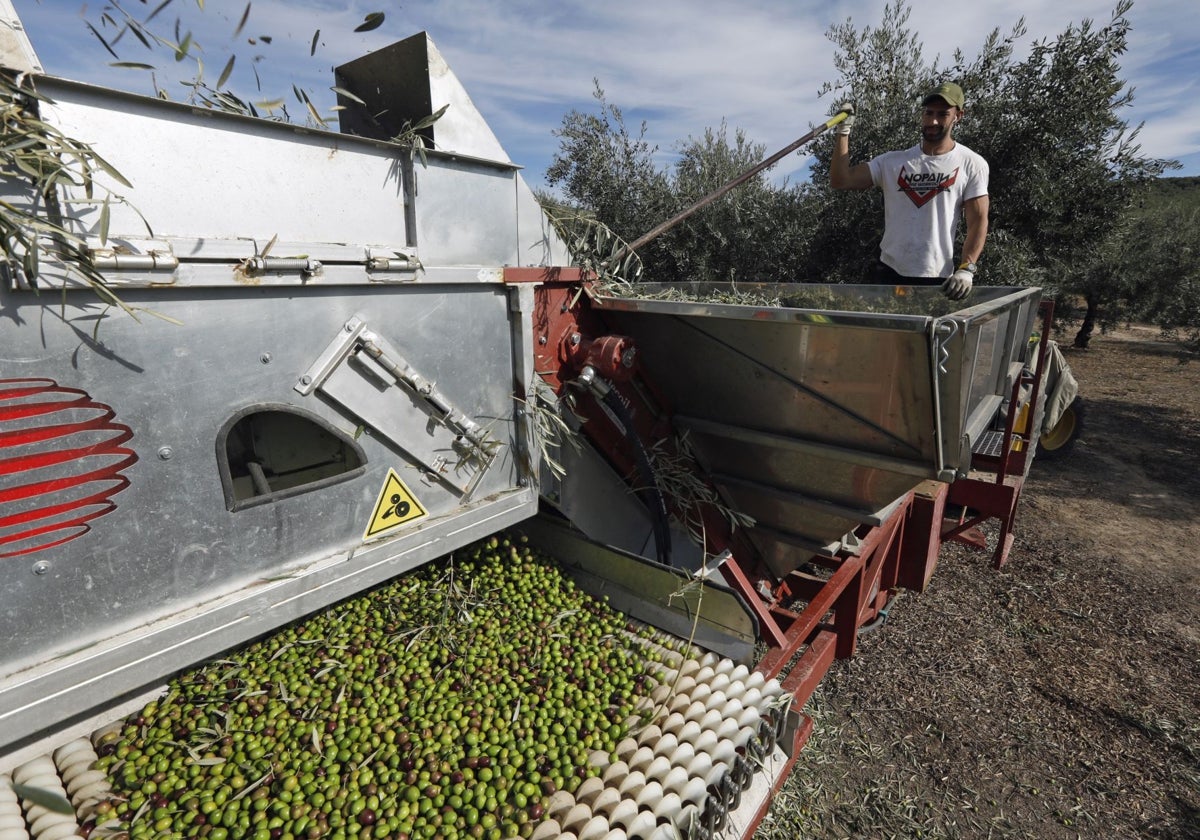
{"points": [[754, 233], [1156, 258], [1080, 167], [751, 234], [606, 173]]}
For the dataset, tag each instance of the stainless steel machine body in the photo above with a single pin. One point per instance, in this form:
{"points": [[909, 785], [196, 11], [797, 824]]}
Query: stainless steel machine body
{"points": [[315, 392]]}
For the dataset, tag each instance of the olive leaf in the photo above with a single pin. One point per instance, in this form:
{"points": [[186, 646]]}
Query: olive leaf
{"points": [[410, 137], [158, 9], [103, 42], [181, 52], [242, 23], [596, 249], [139, 33], [48, 799], [104, 220], [224, 77], [40, 151], [343, 92], [312, 111], [372, 21]]}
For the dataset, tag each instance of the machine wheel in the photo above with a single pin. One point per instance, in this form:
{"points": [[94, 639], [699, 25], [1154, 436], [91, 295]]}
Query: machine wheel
{"points": [[1059, 440]]}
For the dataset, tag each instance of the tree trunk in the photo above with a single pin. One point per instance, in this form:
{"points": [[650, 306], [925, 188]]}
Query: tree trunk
{"points": [[1089, 324]]}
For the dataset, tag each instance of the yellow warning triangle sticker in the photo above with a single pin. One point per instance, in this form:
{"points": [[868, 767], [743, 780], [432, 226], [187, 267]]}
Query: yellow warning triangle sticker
{"points": [[395, 506]]}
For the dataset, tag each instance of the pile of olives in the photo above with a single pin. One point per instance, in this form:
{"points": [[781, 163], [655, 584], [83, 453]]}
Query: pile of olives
{"points": [[453, 702]]}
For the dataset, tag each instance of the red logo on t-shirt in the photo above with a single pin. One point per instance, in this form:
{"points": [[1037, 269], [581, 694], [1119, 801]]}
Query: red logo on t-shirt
{"points": [[920, 187]]}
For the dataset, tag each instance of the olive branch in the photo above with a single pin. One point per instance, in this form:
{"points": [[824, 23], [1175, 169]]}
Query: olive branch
{"points": [[32, 150], [410, 136], [550, 429], [596, 249], [679, 479]]}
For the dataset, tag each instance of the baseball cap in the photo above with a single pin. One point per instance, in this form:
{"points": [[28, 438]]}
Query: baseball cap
{"points": [[948, 91]]}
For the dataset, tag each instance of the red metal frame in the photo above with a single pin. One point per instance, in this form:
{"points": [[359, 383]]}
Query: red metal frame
{"points": [[856, 592]]}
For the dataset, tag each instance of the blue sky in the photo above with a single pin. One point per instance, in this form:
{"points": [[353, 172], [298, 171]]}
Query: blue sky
{"points": [[680, 66]]}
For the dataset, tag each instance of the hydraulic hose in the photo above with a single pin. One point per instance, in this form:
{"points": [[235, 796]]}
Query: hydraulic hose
{"points": [[877, 622], [650, 494]]}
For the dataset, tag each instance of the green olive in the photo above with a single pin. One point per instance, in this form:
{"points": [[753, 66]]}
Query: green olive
{"points": [[452, 701]]}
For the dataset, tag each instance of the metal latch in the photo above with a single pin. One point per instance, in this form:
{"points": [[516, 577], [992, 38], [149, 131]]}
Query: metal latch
{"points": [[398, 263], [414, 414]]}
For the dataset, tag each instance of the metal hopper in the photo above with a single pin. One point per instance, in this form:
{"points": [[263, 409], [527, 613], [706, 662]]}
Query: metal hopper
{"points": [[814, 417]]}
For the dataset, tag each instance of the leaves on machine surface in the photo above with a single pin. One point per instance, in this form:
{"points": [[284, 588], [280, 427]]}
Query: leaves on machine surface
{"points": [[550, 427], [680, 479], [596, 249], [36, 152], [410, 136], [900, 300]]}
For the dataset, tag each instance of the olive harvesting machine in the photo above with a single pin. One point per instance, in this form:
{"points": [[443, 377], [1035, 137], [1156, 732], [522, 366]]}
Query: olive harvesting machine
{"points": [[251, 370]]}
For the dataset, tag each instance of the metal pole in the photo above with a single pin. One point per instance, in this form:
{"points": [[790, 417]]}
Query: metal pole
{"points": [[740, 179]]}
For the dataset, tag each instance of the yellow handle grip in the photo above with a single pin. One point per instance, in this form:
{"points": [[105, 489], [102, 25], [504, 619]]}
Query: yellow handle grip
{"points": [[836, 118]]}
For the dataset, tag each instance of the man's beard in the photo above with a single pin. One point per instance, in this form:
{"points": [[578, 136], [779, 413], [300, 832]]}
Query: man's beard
{"points": [[935, 135]]}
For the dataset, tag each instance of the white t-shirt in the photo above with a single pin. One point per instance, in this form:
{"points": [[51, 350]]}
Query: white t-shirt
{"points": [[923, 198]]}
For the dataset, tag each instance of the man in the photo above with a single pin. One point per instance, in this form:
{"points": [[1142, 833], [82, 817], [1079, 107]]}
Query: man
{"points": [[926, 189]]}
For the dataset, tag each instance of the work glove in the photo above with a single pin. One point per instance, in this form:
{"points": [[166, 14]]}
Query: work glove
{"points": [[843, 128], [958, 285]]}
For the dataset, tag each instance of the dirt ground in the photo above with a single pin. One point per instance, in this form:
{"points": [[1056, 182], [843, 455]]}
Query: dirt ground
{"points": [[1058, 697]]}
